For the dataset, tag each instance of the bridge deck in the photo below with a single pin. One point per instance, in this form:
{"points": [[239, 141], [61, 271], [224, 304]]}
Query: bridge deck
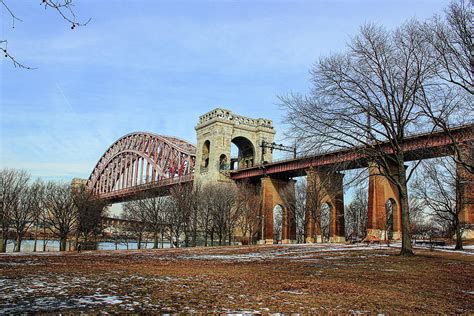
{"points": [[421, 146], [157, 188]]}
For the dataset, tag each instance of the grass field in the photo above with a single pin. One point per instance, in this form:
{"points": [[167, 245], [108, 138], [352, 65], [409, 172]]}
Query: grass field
{"points": [[263, 279]]}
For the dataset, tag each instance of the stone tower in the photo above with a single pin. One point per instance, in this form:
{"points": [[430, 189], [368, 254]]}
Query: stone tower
{"points": [[216, 131]]}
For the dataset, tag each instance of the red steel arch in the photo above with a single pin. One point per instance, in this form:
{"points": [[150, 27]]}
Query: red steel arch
{"points": [[139, 159]]}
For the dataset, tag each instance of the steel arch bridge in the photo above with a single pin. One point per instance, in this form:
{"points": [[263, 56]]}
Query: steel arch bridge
{"points": [[142, 161]]}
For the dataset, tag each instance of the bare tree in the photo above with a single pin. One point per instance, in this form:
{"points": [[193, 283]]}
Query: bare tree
{"points": [[450, 39], [65, 8], [62, 214], [184, 218], [39, 209], [436, 186], [222, 201], [447, 99], [356, 215], [136, 214], [26, 211], [155, 209], [314, 207], [248, 202], [299, 213], [90, 212], [366, 99], [418, 218], [205, 216], [12, 184]]}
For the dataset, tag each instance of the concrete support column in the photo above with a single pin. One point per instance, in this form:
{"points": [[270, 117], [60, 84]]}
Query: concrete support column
{"points": [[324, 187], [465, 189], [381, 191], [272, 195]]}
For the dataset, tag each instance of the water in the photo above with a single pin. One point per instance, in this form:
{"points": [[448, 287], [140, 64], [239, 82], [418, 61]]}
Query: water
{"points": [[53, 245]]}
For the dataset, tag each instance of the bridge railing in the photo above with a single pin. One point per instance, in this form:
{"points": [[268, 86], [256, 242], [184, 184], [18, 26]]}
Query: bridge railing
{"points": [[147, 186]]}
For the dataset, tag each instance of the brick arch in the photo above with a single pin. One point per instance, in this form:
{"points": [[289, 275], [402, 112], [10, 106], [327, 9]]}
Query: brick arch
{"points": [[272, 195], [380, 191]]}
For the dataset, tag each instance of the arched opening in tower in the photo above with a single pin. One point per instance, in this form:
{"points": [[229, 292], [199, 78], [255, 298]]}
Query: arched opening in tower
{"points": [[243, 154], [206, 148], [223, 163]]}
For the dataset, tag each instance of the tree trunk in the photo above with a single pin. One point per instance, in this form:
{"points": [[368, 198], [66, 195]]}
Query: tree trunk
{"points": [[155, 240], [36, 237], [44, 238], [62, 244], [403, 194], [458, 238], [177, 241], [194, 235], [3, 247], [18, 242], [76, 241], [186, 238], [139, 246]]}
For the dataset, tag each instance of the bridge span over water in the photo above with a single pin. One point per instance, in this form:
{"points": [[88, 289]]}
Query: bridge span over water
{"points": [[146, 162]]}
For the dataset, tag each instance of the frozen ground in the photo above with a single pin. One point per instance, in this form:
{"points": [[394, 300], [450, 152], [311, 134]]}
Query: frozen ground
{"points": [[284, 278]]}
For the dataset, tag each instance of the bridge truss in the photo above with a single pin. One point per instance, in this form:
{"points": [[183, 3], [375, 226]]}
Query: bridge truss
{"points": [[142, 161]]}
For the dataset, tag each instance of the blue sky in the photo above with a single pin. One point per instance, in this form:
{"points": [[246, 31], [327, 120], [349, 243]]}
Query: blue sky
{"points": [[156, 66]]}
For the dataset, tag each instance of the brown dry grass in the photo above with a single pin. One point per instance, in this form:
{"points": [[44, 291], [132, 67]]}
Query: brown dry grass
{"points": [[263, 279]]}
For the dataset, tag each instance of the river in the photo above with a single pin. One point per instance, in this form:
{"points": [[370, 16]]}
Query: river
{"points": [[53, 245]]}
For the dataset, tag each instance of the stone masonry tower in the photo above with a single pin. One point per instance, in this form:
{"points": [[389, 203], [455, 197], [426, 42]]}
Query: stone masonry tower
{"points": [[216, 131]]}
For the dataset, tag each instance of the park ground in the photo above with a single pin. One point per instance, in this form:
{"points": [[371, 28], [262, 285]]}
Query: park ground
{"points": [[246, 279]]}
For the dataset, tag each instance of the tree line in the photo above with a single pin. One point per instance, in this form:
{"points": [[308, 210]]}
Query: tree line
{"points": [[385, 86], [214, 214], [189, 215], [62, 210], [194, 215]]}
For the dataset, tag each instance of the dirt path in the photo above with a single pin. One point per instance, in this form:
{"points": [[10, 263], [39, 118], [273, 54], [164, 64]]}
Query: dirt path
{"points": [[297, 278]]}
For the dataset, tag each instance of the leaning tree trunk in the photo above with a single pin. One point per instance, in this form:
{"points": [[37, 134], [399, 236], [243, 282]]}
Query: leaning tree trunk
{"points": [[403, 195]]}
